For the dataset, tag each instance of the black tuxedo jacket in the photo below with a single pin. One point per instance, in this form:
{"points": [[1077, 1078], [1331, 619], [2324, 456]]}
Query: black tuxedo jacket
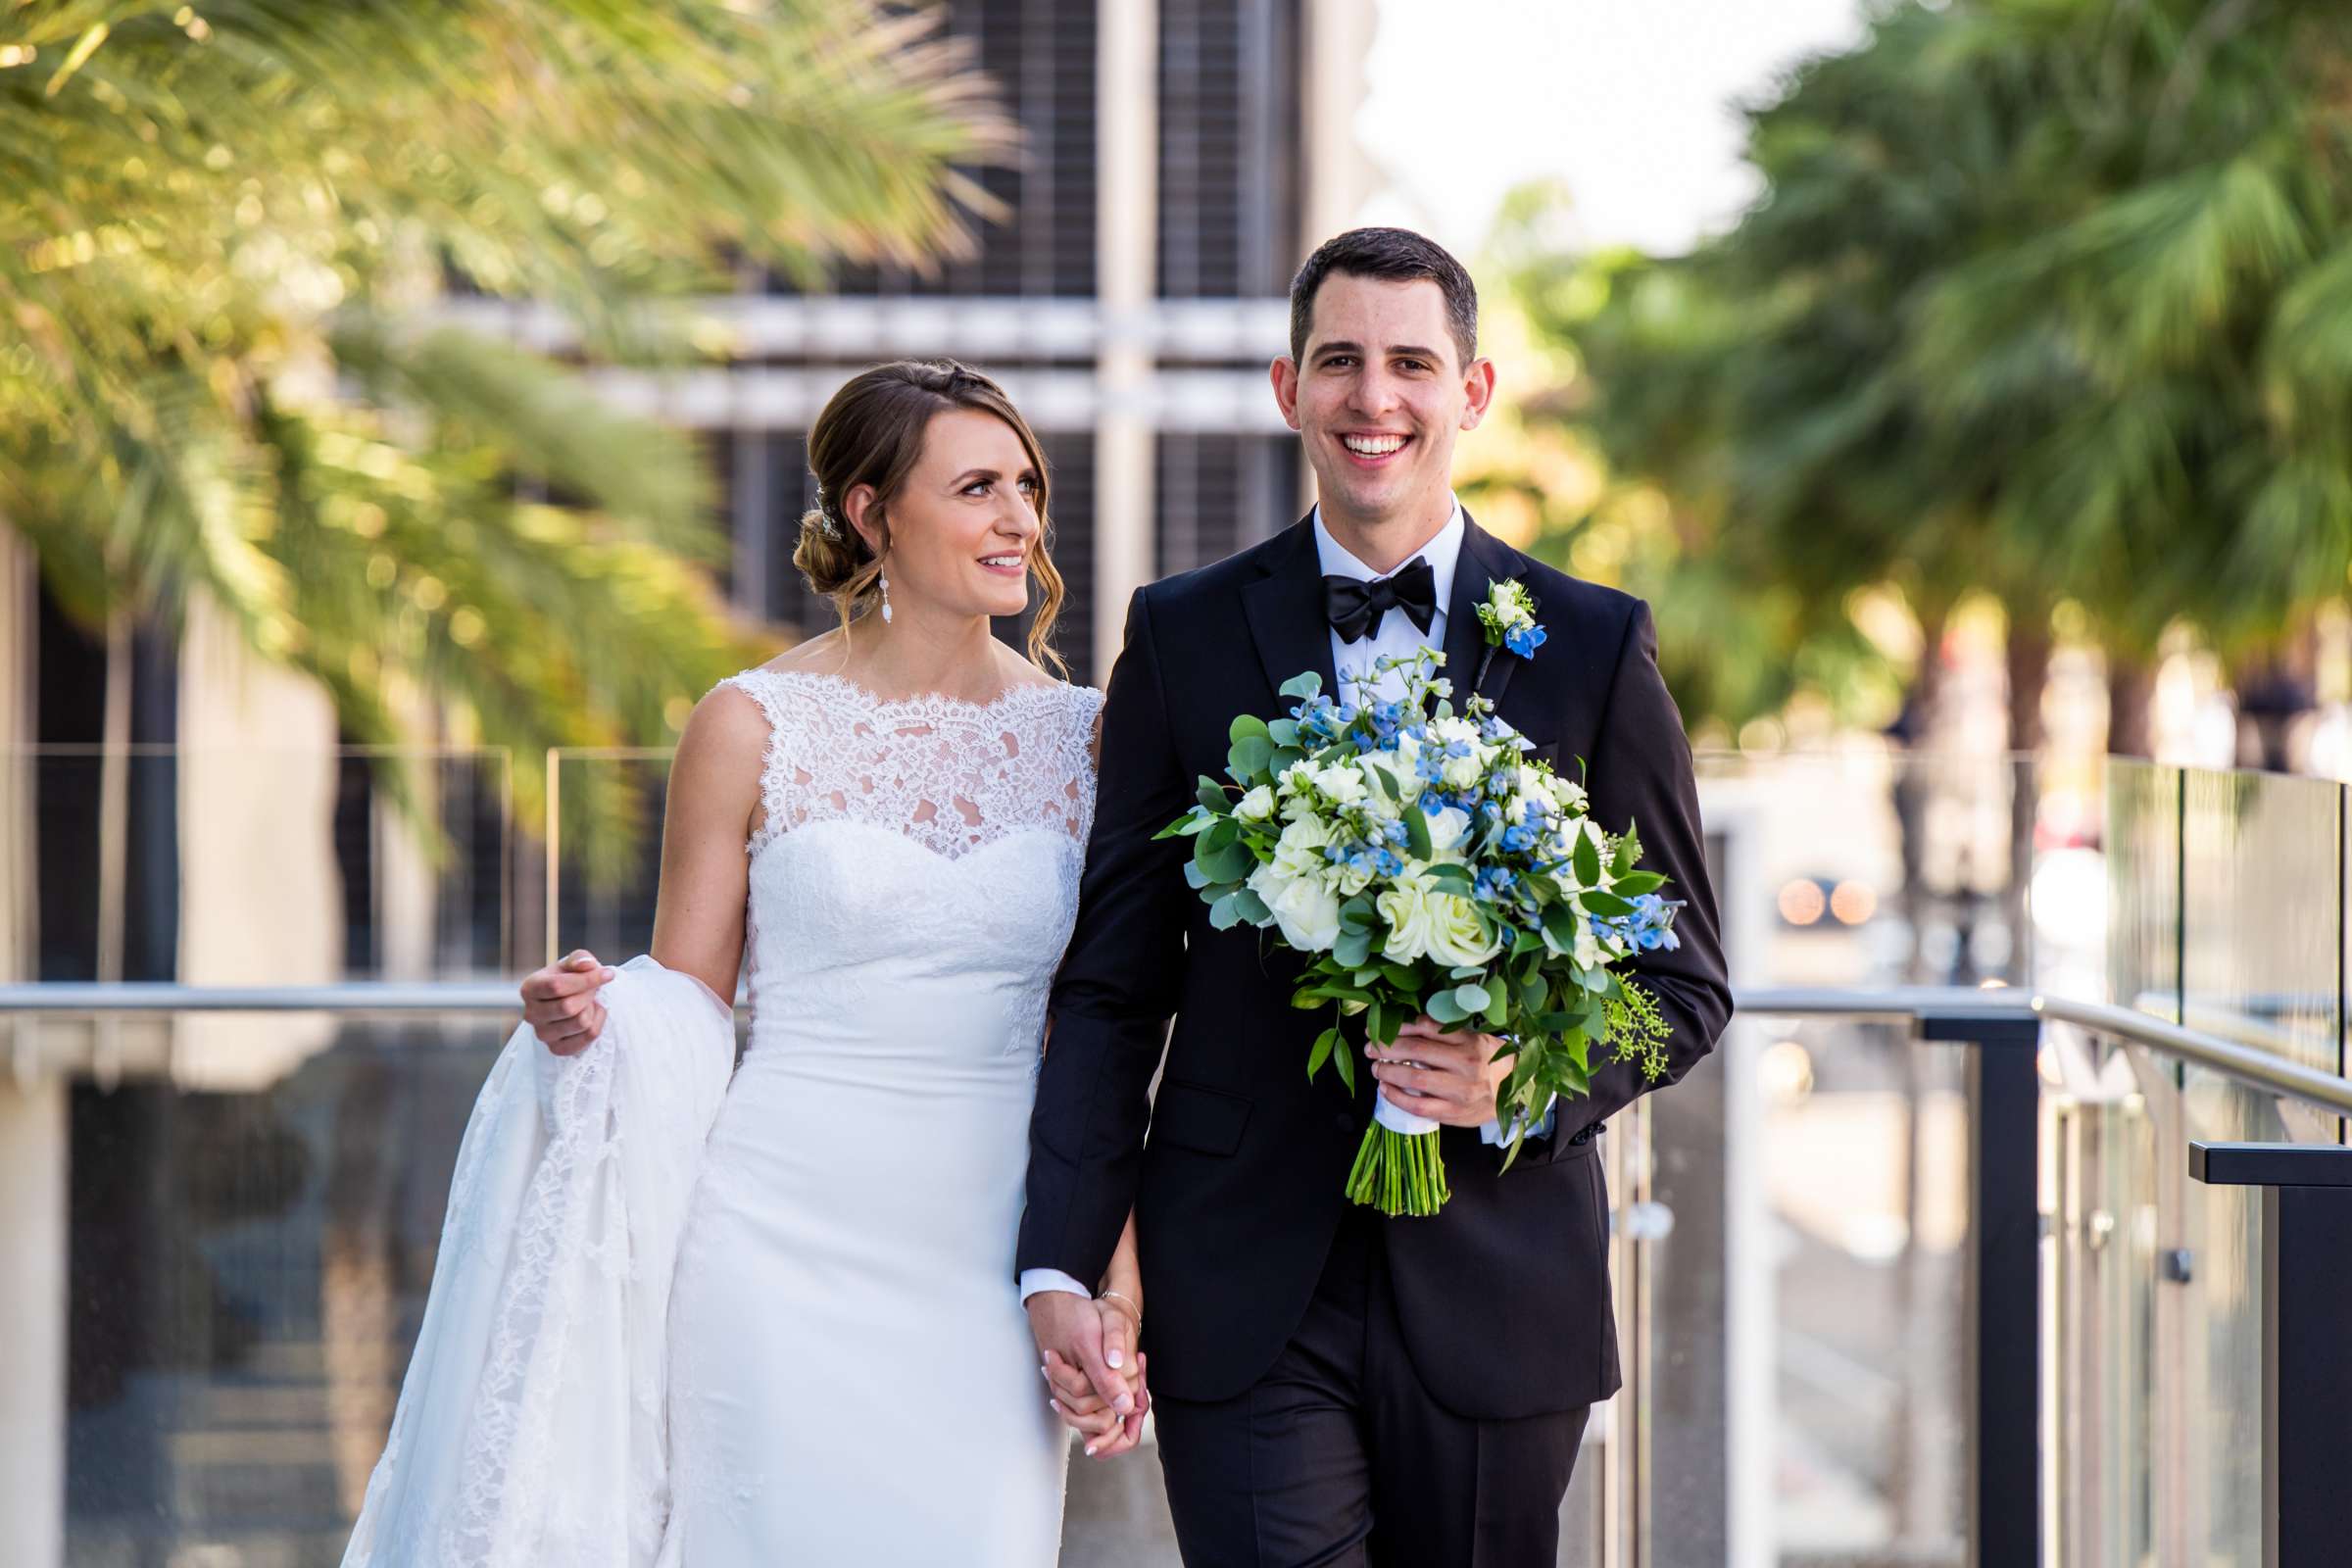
{"points": [[1503, 1298]]}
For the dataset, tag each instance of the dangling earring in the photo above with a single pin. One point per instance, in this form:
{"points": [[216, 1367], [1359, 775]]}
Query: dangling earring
{"points": [[885, 599]]}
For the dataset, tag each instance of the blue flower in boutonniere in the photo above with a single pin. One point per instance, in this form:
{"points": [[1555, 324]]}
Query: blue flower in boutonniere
{"points": [[1510, 617]]}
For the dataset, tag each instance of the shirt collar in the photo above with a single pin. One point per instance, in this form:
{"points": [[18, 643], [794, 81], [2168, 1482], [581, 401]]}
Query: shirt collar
{"points": [[1441, 553]]}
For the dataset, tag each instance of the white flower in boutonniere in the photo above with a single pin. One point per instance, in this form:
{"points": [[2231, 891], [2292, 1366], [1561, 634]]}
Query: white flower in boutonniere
{"points": [[1509, 616]]}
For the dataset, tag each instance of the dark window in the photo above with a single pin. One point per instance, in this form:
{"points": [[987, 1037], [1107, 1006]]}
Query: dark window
{"points": [[1228, 148], [1218, 494]]}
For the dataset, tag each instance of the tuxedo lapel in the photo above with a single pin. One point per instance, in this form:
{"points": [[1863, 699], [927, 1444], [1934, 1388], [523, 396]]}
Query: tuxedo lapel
{"points": [[1285, 610], [1485, 561]]}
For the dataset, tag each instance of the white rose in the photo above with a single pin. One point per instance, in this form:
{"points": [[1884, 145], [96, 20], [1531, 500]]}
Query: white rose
{"points": [[1343, 784], [1448, 827], [1299, 851], [1256, 805], [1351, 880], [1463, 772], [1445, 732], [1453, 931], [1405, 908], [1307, 912], [1569, 793]]}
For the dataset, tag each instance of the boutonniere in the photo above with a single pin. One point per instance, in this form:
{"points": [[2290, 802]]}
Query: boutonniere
{"points": [[1510, 617]]}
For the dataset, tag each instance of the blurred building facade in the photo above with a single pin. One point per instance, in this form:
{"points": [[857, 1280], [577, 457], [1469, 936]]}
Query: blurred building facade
{"points": [[172, 811]]}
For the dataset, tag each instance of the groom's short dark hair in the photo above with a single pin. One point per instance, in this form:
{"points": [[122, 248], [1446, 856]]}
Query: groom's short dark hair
{"points": [[1394, 256]]}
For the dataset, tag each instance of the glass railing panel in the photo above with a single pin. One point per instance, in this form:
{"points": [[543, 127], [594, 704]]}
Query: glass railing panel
{"points": [[246, 1269], [2102, 1176], [2262, 939], [2144, 885], [1866, 1169], [1873, 865], [214, 866], [2224, 1337], [604, 837], [2262, 922]]}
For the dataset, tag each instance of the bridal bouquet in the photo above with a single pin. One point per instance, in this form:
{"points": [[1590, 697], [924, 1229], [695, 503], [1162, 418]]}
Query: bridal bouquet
{"points": [[1424, 864]]}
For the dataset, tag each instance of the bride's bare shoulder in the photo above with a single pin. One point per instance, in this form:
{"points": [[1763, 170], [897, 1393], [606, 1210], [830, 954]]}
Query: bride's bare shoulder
{"points": [[826, 653], [1014, 670]]}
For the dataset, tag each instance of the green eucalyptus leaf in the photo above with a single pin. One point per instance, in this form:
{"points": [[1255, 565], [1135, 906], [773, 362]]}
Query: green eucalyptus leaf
{"points": [[1227, 863], [1416, 833]]}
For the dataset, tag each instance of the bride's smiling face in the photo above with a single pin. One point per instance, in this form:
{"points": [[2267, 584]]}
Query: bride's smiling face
{"points": [[958, 537]]}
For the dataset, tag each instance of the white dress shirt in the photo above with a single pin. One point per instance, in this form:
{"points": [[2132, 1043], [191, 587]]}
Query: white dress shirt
{"points": [[1397, 635]]}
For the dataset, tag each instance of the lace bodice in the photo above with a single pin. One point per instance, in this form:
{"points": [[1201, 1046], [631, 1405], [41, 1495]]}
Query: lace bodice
{"points": [[913, 858], [951, 775]]}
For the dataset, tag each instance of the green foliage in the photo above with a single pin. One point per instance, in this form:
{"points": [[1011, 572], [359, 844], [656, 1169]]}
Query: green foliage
{"points": [[223, 231], [2043, 298]]}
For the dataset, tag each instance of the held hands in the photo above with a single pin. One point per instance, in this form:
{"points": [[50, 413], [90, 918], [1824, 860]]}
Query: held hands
{"points": [[1449, 1078], [1093, 1374], [560, 1003]]}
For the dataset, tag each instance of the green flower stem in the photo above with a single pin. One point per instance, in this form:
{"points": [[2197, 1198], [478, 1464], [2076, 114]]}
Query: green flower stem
{"points": [[1399, 1173]]}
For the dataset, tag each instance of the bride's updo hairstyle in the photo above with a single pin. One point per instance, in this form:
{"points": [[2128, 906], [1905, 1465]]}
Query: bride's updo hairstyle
{"points": [[872, 433]]}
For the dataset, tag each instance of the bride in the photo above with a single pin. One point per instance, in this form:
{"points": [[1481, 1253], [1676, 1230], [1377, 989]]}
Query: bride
{"points": [[882, 830]]}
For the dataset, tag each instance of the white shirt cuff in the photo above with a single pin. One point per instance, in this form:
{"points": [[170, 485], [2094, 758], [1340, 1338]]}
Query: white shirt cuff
{"points": [[1493, 1133], [1034, 1280]]}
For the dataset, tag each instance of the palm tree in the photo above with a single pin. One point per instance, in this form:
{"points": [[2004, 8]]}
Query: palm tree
{"points": [[2042, 300], [221, 233]]}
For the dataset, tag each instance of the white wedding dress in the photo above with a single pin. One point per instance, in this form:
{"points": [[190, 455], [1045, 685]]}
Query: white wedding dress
{"points": [[852, 1376], [838, 1371]]}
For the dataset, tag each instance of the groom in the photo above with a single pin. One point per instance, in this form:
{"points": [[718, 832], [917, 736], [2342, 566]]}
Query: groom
{"points": [[1331, 1386]]}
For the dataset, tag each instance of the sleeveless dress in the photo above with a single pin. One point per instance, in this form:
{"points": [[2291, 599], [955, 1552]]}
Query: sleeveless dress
{"points": [[851, 1379]]}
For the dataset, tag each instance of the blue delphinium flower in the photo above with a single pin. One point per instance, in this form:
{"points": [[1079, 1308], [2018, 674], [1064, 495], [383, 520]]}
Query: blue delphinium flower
{"points": [[1525, 640]]}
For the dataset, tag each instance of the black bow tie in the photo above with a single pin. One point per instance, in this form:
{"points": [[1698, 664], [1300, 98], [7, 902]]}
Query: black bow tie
{"points": [[1355, 608]]}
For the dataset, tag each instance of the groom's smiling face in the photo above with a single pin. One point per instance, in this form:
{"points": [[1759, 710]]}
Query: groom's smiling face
{"points": [[1378, 394]]}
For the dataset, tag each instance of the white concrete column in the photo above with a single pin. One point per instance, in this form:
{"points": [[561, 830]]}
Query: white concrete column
{"points": [[1339, 178], [1126, 281], [34, 1166], [33, 1320], [260, 897]]}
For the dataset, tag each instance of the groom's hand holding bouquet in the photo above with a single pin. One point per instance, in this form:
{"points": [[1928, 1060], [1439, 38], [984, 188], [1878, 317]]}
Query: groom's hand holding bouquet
{"points": [[1452, 896]]}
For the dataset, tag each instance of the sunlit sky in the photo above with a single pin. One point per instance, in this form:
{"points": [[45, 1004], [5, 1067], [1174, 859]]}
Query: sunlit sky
{"points": [[1627, 102]]}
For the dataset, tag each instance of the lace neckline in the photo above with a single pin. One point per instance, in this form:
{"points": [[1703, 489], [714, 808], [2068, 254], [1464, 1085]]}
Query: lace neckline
{"points": [[926, 703], [950, 773]]}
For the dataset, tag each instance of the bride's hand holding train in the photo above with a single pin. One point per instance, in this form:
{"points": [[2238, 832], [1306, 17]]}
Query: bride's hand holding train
{"points": [[560, 1003]]}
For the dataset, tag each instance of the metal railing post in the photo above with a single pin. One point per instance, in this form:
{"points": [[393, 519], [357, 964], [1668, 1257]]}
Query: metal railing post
{"points": [[2306, 1354], [2004, 1280]]}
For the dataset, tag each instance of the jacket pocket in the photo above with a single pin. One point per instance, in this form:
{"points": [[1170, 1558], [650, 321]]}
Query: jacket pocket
{"points": [[1559, 1148], [1206, 1121]]}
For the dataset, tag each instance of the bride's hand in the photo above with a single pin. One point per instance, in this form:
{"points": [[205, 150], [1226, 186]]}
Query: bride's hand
{"points": [[560, 1003], [1107, 1435], [1084, 1411]]}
